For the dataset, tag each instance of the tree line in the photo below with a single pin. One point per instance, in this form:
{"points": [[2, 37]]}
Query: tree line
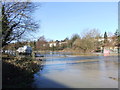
{"points": [[89, 41]]}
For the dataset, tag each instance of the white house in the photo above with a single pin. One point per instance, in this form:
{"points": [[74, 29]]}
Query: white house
{"points": [[102, 39], [60, 43], [25, 49], [52, 44]]}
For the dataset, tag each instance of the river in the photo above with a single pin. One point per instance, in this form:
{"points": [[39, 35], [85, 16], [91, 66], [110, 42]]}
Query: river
{"points": [[68, 71]]}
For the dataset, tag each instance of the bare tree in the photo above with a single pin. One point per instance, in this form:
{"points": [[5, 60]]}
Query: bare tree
{"points": [[89, 41], [16, 20], [41, 43]]}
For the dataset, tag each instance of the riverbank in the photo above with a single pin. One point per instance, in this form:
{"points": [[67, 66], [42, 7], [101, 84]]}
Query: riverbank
{"points": [[96, 54], [75, 53], [18, 73]]}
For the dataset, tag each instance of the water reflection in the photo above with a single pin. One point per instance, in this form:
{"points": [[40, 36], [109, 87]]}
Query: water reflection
{"points": [[77, 72]]}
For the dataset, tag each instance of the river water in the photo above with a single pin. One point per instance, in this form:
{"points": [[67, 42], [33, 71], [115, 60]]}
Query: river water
{"points": [[67, 71]]}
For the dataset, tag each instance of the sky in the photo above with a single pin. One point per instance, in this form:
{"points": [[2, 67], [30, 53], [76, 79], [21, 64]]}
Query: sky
{"points": [[59, 20]]}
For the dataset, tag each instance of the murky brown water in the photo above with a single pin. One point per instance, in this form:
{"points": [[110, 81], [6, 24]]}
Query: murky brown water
{"points": [[78, 72]]}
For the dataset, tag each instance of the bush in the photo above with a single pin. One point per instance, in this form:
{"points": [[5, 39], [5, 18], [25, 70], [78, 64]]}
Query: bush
{"points": [[19, 72]]}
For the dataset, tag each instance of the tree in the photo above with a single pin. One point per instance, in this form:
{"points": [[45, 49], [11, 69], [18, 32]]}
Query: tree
{"points": [[105, 38], [16, 20], [41, 43], [77, 43], [74, 37], [87, 45], [66, 39], [117, 33], [89, 40], [72, 40]]}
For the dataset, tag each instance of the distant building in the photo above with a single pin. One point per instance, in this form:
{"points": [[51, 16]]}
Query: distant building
{"points": [[41, 45], [25, 50], [51, 44], [111, 46], [56, 43], [110, 39], [63, 42]]}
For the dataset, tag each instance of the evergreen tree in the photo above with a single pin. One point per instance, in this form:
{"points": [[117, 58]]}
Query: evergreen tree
{"points": [[105, 38], [117, 33]]}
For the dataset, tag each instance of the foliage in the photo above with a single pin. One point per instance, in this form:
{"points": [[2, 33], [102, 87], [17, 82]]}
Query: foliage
{"points": [[77, 42], [89, 40], [87, 44], [63, 46], [66, 39], [105, 38], [18, 72], [72, 40], [117, 33]]}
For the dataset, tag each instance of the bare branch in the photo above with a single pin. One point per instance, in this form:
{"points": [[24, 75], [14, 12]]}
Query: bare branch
{"points": [[16, 20]]}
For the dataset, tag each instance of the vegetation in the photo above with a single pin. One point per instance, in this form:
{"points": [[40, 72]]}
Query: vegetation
{"points": [[89, 41], [18, 72], [16, 20], [106, 42], [117, 33], [41, 43]]}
